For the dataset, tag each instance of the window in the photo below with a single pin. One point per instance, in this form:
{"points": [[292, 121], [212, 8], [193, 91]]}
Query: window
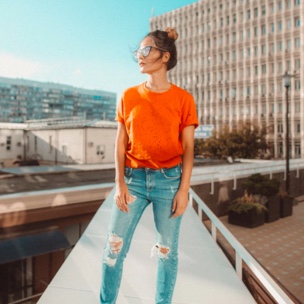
{"points": [[297, 85], [280, 25], [263, 10], [288, 44], [297, 42], [256, 12], [248, 14], [248, 33], [280, 5], [234, 37], [288, 24], [234, 18], [50, 144], [297, 22], [280, 46], [35, 143], [263, 28], [272, 26], [264, 50], [297, 107], [8, 143], [234, 56], [297, 63], [264, 69], [272, 47], [298, 149], [256, 31], [280, 128], [248, 71]]}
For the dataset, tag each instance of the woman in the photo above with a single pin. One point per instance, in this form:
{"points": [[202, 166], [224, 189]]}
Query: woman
{"points": [[154, 159]]}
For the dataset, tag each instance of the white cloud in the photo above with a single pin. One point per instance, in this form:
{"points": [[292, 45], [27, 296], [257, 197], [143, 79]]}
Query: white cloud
{"points": [[17, 67]]}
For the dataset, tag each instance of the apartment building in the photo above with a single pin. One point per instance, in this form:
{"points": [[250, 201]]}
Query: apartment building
{"points": [[22, 100], [232, 55]]}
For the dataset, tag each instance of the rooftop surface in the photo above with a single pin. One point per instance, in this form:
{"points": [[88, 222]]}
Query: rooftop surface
{"points": [[205, 274], [279, 247]]}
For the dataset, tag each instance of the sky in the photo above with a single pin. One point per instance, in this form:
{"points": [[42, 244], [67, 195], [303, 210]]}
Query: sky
{"points": [[83, 43]]}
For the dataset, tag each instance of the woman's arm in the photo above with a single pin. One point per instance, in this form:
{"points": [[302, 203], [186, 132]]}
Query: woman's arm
{"points": [[122, 193], [180, 202]]}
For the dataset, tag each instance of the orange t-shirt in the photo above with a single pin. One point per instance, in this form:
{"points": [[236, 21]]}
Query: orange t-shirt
{"points": [[154, 122]]}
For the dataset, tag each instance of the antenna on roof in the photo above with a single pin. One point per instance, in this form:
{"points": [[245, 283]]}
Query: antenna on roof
{"points": [[152, 12]]}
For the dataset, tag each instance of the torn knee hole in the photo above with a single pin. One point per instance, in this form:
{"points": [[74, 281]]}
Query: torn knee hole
{"points": [[116, 243], [162, 251]]}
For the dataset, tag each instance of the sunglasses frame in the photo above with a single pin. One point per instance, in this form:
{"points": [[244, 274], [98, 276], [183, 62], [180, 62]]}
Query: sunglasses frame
{"points": [[141, 51]]}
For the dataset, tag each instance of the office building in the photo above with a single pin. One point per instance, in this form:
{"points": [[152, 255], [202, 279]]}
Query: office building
{"points": [[232, 55], [22, 100]]}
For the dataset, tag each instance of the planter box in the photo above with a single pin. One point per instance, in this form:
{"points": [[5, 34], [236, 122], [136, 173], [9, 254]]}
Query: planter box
{"points": [[248, 219], [273, 209], [286, 206]]}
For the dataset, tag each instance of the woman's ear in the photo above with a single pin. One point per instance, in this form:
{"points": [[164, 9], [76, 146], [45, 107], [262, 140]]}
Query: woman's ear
{"points": [[166, 57]]}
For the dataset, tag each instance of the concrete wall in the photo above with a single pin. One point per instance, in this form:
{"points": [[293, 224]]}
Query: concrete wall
{"points": [[10, 149], [73, 146]]}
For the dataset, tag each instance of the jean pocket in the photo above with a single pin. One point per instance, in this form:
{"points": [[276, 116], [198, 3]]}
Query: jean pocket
{"points": [[128, 171], [172, 173]]}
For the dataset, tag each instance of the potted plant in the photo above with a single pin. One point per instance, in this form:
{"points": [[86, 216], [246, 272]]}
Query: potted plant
{"points": [[286, 202], [247, 210], [258, 184]]}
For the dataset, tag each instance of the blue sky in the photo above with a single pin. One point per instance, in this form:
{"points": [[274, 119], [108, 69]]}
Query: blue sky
{"points": [[84, 43]]}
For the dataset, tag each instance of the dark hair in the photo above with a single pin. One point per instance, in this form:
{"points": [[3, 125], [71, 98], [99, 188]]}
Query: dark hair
{"points": [[165, 40]]}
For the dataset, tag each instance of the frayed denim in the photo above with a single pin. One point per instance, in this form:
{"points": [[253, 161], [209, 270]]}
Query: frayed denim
{"points": [[146, 186]]}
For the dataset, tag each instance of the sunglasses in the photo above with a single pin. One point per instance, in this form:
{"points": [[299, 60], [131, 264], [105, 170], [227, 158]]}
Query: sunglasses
{"points": [[145, 51]]}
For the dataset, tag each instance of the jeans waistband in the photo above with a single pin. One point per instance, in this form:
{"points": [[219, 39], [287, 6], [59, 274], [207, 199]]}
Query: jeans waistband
{"points": [[156, 170]]}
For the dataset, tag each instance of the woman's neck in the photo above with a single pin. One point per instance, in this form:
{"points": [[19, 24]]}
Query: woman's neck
{"points": [[158, 85]]}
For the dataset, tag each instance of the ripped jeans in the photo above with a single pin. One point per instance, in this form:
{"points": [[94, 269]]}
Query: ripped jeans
{"points": [[146, 186]]}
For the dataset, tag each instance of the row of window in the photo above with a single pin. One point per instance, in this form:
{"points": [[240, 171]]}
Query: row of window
{"points": [[247, 91], [263, 49], [220, 21]]}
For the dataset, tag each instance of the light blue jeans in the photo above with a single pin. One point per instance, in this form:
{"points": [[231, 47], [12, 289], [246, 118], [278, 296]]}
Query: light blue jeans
{"points": [[146, 186]]}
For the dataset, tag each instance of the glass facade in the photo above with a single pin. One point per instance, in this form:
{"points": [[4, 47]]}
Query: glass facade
{"points": [[22, 100]]}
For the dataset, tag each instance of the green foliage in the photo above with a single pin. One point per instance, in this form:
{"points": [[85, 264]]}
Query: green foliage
{"points": [[245, 141], [246, 203], [262, 185]]}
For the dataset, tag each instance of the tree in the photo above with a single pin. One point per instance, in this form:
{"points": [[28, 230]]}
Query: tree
{"points": [[244, 141]]}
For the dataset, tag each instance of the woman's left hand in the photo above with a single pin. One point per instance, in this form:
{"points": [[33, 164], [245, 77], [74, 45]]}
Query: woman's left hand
{"points": [[180, 203]]}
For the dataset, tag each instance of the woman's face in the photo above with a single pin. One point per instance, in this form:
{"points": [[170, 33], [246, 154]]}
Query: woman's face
{"points": [[150, 58]]}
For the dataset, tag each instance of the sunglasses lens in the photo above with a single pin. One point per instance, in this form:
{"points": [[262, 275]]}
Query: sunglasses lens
{"points": [[146, 51]]}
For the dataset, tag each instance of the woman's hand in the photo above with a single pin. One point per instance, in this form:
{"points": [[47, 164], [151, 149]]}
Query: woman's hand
{"points": [[180, 203], [122, 196]]}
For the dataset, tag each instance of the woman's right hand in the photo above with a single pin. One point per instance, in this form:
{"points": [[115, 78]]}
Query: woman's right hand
{"points": [[122, 196]]}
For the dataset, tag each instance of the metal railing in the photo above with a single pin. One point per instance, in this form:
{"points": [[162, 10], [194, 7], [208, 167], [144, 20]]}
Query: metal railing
{"points": [[241, 254]]}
